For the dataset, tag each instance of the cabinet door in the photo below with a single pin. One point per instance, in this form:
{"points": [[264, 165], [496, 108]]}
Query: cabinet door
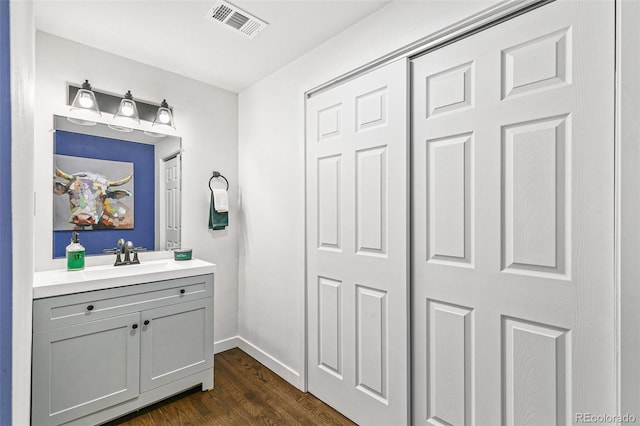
{"points": [[177, 341], [84, 368]]}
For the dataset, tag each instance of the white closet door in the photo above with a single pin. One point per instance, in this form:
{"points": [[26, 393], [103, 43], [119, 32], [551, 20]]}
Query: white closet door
{"points": [[357, 230], [172, 202], [513, 222]]}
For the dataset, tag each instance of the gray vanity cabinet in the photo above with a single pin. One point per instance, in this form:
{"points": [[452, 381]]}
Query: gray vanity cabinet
{"points": [[101, 354]]}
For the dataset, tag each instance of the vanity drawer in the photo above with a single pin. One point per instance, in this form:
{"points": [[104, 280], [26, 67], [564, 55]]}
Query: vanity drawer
{"points": [[62, 311]]}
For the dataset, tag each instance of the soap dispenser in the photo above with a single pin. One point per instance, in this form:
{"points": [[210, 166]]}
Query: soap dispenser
{"points": [[75, 254]]}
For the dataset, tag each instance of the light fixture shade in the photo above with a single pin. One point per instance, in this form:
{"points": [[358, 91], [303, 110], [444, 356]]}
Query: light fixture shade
{"points": [[85, 100], [164, 117], [127, 109]]}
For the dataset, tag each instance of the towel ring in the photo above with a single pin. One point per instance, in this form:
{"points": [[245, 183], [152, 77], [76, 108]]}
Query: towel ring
{"points": [[216, 175]]}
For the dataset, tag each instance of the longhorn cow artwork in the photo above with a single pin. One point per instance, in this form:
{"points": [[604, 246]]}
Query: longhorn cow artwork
{"points": [[95, 199]]}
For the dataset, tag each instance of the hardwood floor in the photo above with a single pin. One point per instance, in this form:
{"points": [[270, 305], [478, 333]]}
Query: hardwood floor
{"points": [[245, 393]]}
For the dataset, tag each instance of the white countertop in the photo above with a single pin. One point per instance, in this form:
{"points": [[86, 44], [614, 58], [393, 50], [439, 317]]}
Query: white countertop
{"points": [[61, 282]]}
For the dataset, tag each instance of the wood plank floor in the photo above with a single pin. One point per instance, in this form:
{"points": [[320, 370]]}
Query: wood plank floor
{"points": [[245, 393]]}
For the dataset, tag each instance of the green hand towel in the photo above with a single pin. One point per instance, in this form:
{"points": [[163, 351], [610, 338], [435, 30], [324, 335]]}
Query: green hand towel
{"points": [[217, 220]]}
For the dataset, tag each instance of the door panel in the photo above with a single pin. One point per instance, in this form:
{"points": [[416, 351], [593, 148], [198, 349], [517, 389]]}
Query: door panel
{"points": [[357, 227], [371, 207], [450, 362], [534, 171], [449, 199], [512, 222], [535, 372], [372, 350], [330, 326], [329, 213]]}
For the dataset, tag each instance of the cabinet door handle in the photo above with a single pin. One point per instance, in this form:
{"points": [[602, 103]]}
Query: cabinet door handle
{"points": [[183, 291], [146, 322], [90, 308], [134, 326]]}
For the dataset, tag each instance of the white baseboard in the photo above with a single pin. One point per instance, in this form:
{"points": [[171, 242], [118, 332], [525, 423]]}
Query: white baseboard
{"points": [[278, 367], [225, 345]]}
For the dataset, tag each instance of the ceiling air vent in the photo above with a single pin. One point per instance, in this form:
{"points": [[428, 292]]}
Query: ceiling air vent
{"points": [[236, 19]]}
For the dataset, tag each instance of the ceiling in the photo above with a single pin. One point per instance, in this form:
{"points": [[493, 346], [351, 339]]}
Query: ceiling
{"points": [[177, 36]]}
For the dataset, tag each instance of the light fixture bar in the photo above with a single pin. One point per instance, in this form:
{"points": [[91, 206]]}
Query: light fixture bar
{"points": [[110, 103]]}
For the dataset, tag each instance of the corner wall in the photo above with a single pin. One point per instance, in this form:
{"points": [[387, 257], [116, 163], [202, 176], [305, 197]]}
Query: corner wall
{"points": [[22, 168], [6, 274], [272, 179]]}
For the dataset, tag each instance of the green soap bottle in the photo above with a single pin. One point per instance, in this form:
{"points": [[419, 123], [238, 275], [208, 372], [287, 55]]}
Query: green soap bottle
{"points": [[75, 254]]}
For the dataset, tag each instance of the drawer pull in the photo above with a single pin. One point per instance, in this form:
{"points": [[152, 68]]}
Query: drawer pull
{"points": [[90, 308], [183, 291], [134, 326], [146, 322]]}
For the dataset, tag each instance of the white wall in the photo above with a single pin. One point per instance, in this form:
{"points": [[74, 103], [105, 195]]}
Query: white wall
{"points": [[22, 148], [271, 156], [206, 119]]}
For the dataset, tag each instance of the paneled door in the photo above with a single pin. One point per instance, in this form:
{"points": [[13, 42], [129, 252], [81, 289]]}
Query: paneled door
{"points": [[172, 188], [513, 222], [357, 233]]}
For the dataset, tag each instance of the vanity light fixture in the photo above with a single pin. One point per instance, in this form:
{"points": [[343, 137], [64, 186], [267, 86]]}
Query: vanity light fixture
{"points": [[86, 104], [127, 108], [85, 99], [164, 117]]}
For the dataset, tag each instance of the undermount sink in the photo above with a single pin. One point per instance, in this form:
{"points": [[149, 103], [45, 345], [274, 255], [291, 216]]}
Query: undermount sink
{"points": [[61, 282]]}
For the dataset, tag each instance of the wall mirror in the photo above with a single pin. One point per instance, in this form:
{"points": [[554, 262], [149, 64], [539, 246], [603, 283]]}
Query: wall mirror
{"points": [[110, 184]]}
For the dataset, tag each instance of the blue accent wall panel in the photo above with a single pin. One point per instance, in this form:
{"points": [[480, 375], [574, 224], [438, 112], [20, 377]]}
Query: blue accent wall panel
{"points": [[143, 158], [6, 274]]}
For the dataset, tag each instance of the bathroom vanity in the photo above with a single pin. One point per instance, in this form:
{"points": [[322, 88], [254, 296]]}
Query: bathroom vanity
{"points": [[110, 340]]}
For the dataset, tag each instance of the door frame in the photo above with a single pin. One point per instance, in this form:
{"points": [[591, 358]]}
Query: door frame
{"points": [[627, 206], [627, 329]]}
